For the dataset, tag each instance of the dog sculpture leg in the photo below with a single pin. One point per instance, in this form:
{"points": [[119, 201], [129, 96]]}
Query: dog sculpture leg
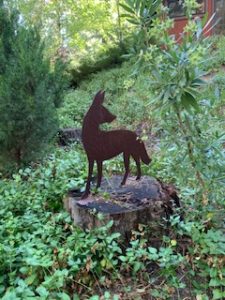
{"points": [[126, 158], [138, 164], [99, 166], [88, 184]]}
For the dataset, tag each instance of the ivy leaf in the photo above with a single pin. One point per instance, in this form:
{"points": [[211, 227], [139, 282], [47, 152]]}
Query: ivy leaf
{"points": [[218, 294], [42, 291], [123, 258], [29, 280], [63, 296]]}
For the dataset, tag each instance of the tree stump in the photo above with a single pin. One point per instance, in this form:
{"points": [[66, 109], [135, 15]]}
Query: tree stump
{"points": [[147, 201], [67, 136]]}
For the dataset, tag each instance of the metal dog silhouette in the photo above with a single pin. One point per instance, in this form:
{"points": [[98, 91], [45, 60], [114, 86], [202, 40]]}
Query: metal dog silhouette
{"points": [[102, 145]]}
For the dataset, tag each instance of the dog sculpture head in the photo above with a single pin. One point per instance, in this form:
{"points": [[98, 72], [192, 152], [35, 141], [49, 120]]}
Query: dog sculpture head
{"points": [[100, 113]]}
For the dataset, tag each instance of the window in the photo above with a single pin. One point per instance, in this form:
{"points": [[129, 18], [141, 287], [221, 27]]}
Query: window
{"points": [[176, 8]]}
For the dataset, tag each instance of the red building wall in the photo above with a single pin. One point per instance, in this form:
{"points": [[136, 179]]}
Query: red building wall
{"points": [[181, 21]]}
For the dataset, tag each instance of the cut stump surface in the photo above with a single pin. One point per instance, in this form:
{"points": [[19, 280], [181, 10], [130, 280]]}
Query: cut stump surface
{"points": [[146, 201]]}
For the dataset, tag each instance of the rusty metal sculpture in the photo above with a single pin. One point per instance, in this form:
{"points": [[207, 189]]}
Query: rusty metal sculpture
{"points": [[103, 145]]}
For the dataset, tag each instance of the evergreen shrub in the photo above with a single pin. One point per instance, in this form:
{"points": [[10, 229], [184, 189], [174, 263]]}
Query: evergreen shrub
{"points": [[30, 92]]}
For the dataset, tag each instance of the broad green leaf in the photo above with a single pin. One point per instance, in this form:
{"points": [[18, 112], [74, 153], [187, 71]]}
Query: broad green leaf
{"points": [[217, 282], [42, 291], [218, 294], [29, 280], [188, 100], [63, 296]]}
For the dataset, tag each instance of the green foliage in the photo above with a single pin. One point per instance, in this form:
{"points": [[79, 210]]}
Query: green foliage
{"points": [[41, 253], [177, 79], [99, 32], [190, 7], [201, 265], [44, 255], [106, 58], [206, 256], [74, 28], [29, 93], [141, 14], [216, 53], [126, 97]]}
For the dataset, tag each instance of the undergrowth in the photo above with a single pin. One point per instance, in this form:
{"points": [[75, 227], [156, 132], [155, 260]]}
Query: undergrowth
{"points": [[44, 256]]}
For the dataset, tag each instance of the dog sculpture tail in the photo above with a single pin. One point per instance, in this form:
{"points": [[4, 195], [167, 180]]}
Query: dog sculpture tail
{"points": [[144, 155]]}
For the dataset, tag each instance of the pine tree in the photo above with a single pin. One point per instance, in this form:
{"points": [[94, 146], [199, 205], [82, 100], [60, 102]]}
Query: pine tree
{"points": [[29, 93]]}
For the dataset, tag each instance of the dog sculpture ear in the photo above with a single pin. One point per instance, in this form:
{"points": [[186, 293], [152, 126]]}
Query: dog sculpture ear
{"points": [[99, 98]]}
